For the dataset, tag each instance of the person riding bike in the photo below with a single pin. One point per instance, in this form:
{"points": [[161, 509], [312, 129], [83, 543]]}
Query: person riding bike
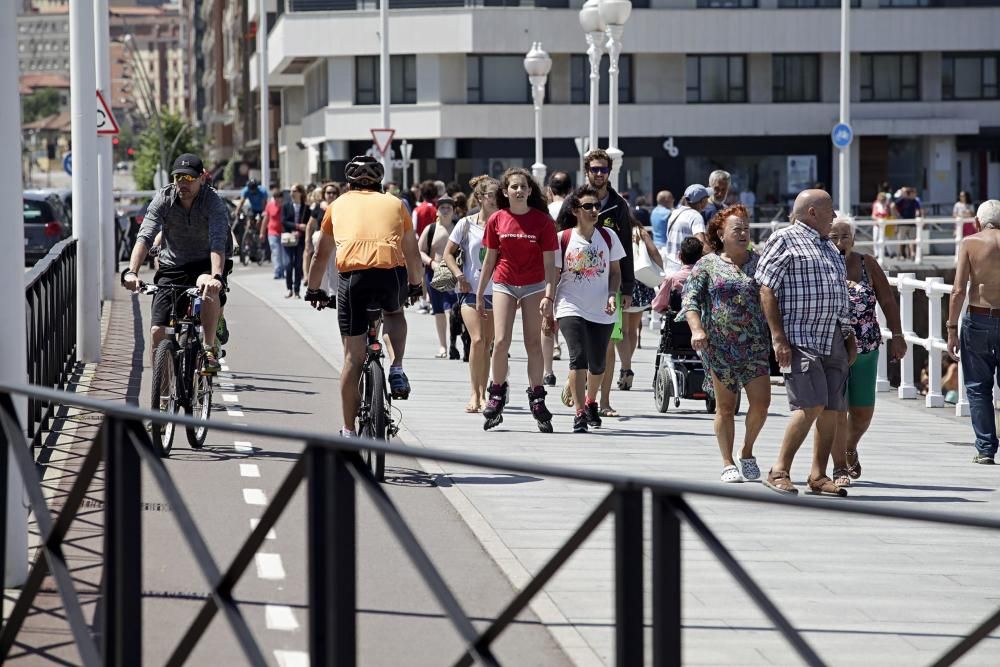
{"points": [[379, 264], [195, 230], [256, 198]]}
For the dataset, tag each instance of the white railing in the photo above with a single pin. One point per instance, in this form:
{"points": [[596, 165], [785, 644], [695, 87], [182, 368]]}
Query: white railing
{"points": [[872, 234]]}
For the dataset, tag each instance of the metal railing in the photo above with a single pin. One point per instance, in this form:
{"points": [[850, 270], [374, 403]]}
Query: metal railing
{"points": [[50, 295], [333, 470]]}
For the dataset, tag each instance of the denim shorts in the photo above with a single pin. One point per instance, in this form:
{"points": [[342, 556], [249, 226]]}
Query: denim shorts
{"points": [[469, 299], [519, 292]]}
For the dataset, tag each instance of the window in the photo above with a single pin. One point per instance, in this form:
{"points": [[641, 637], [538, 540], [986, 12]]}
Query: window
{"points": [[813, 4], [580, 79], [496, 80], [969, 76], [317, 87], [727, 4], [716, 79], [795, 77], [403, 84], [890, 77]]}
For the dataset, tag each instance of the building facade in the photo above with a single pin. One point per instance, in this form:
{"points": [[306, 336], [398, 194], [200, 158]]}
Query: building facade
{"points": [[750, 86]]}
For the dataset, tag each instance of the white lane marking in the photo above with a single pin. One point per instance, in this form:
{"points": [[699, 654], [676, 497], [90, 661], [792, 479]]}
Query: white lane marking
{"points": [[234, 411], [269, 566], [224, 376], [292, 658], [280, 617], [254, 497], [271, 535], [243, 447], [249, 470], [230, 398]]}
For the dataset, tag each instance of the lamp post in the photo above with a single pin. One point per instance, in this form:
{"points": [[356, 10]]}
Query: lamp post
{"points": [[537, 64], [614, 13], [844, 154], [594, 27]]}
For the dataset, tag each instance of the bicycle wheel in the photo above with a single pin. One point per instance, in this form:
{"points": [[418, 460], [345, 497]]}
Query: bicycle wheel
{"points": [[200, 404], [375, 427], [164, 395]]}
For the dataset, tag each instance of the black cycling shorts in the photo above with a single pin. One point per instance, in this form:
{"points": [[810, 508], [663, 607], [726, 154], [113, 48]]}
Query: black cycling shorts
{"points": [[385, 288], [185, 274]]}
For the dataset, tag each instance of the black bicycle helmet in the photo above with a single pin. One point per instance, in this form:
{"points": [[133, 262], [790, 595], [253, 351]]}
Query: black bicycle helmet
{"points": [[364, 170], [252, 184]]}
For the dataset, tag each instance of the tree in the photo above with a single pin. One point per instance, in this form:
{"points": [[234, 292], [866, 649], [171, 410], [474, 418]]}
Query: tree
{"points": [[42, 103], [178, 138]]}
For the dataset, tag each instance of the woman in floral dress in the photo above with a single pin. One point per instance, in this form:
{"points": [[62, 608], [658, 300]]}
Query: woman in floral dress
{"points": [[722, 305]]}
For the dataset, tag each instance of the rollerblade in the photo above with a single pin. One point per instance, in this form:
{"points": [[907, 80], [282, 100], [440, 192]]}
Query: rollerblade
{"points": [[536, 399], [493, 412]]}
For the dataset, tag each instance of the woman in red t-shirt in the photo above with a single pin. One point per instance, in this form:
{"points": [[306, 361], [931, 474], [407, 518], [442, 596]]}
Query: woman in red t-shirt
{"points": [[520, 260]]}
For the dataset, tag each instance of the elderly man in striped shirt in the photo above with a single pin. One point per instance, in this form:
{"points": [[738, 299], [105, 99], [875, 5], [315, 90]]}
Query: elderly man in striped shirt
{"points": [[804, 295]]}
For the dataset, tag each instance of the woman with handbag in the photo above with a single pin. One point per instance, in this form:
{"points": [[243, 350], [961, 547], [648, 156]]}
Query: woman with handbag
{"points": [[648, 266], [466, 241], [432, 243], [292, 240]]}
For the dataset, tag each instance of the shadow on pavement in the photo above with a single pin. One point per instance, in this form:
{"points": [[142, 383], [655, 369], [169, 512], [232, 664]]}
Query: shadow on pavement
{"points": [[418, 478]]}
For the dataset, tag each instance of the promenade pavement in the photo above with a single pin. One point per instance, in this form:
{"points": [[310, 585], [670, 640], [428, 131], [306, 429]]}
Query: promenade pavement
{"points": [[862, 590]]}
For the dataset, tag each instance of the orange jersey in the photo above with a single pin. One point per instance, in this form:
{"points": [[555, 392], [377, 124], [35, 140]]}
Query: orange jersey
{"points": [[368, 228]]}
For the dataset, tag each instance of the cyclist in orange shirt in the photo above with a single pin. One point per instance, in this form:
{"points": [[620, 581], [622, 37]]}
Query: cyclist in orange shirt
{"points": [[379, 264]]}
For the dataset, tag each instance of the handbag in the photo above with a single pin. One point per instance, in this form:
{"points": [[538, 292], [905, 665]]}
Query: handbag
{"points": [[289, 239], [443, 280], [645, 269]]}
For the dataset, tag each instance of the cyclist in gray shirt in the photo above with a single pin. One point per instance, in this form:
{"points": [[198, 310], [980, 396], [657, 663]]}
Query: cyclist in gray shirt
{"points": [[194, 223]]}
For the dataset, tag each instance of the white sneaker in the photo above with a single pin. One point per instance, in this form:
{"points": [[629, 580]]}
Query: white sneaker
{"points": [[344, 433]]}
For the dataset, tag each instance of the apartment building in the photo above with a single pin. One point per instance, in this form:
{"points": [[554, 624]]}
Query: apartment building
{"points": [[746, 85]]}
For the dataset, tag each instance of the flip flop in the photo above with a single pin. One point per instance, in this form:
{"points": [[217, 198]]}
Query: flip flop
{"points": [[472, 409], [609, 412], [566, 396]]}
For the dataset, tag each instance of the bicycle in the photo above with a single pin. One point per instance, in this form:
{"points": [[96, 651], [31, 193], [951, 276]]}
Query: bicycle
{"points": [[250, 243], [179, 379], [375, 420]]}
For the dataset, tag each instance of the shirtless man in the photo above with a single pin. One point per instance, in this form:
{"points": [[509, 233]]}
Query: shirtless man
{"points": [[979, 338]]}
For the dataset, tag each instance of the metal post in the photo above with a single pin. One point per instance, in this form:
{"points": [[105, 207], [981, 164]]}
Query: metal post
{"points": [[384, 88], [406, 150], [882, 374], [844, 156], [595, 49], [105, 160], [918, 258], [614, 51], [122, 592], [332, 544], [86, 222], [628, 578], [265, 94], [538, 64], [934, 397], [906, 388], [666, 583]]}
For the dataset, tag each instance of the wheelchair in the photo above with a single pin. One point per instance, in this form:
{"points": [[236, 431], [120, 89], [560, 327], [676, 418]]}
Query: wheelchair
{"points": [[678, 370]]}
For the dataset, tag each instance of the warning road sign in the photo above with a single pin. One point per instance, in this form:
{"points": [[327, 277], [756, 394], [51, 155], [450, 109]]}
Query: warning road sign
{"points": [[382, 139], [106, 123]]}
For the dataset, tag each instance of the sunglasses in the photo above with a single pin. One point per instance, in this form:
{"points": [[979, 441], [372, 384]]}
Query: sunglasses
{"points": [[329, 192], [589, 206], [184, 178], [600, 170]]}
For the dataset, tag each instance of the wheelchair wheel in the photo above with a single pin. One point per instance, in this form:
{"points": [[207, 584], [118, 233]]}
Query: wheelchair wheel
{"points": [[662, 390]]}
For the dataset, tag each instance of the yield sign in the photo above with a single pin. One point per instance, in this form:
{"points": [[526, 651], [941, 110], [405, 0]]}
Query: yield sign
{"points": [[382, 139], [106, 123]]}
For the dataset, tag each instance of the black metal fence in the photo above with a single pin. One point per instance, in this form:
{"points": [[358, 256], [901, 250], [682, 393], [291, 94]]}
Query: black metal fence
{"points": [[50, 303], [333, 470]]}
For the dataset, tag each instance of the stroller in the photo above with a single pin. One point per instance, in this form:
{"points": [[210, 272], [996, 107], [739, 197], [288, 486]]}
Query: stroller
{"points": [[678, 371]]}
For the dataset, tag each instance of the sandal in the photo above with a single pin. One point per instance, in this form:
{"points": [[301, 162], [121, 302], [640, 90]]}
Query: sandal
{"points": [[824, 486], [749, 468], [567, 395], [557, 352], [625, 379], [853, 469], [441, 355], [731, 474], [609, 412], [780, 482], [472, 408], [841, 477]]}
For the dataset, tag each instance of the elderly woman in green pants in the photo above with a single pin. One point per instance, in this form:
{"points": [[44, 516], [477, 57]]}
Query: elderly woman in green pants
{"points": [[866, 286]]}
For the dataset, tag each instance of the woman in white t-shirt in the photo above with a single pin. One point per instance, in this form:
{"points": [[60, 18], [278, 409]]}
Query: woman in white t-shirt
{"points": [[468, 235], [585, 298]]}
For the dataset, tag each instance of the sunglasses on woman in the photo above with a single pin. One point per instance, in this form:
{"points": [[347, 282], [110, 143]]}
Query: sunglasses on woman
{"points": [[588, 206]]}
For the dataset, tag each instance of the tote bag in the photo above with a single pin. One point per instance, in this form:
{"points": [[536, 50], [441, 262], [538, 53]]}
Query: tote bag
{"points": [[646, 270]]}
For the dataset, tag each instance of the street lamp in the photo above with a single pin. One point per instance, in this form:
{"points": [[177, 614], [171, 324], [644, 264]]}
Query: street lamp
{"points": [[537, 64], [593, 25], [614, 13]]}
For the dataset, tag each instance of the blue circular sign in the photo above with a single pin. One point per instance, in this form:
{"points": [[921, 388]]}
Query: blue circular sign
{"points": [[68, 163], [842, 135]]}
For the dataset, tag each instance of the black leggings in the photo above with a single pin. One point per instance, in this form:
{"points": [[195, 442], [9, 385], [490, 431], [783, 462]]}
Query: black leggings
{"points": [[587, 342]]}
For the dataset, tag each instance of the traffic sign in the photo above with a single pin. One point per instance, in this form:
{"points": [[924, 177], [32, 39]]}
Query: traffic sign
{"points": [[106, 123], [68, 162], [382, 139], [842, 135]]}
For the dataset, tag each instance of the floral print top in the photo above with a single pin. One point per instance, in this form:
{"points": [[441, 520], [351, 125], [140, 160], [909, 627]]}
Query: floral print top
{"points": [[728, 299], [862, 300]]}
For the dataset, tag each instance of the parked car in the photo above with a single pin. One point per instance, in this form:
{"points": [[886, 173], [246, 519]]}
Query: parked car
{"points": [[46, 222], [65, 196]]}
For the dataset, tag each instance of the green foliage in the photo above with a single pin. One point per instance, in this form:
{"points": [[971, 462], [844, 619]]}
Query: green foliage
{"points": [[40, 104], [177, 134]]}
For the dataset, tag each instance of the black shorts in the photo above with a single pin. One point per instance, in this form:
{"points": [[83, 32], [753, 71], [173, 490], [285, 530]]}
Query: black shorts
{"points": [[385, 288], [185, 274], [587, 342]]}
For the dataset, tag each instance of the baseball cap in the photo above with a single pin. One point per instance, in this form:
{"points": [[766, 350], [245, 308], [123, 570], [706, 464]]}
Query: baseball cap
{"points": [[695, 193], [189, 164], [445, 201]]}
